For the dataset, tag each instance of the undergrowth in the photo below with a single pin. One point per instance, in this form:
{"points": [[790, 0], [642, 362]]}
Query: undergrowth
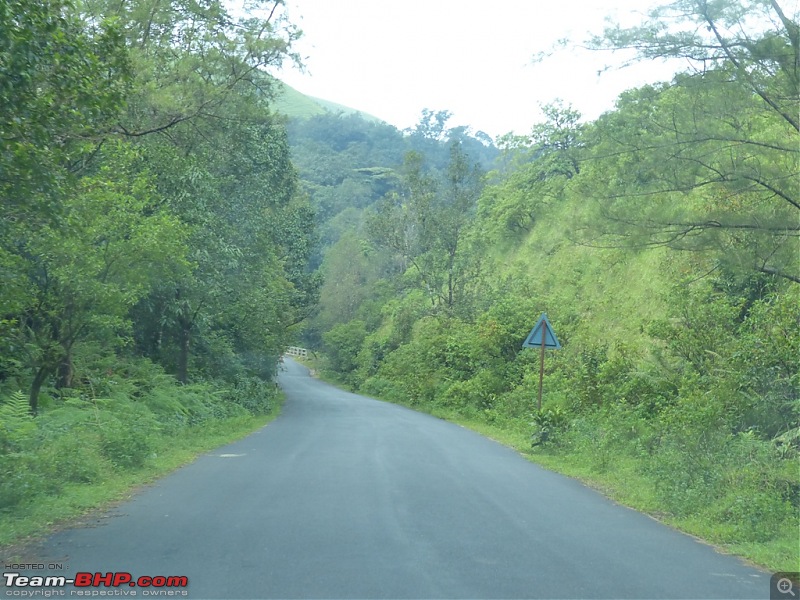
{"points": [[89, 444]]}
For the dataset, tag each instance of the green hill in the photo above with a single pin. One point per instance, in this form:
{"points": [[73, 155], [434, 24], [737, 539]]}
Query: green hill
{"points": [[293, 103], [661, 239]]}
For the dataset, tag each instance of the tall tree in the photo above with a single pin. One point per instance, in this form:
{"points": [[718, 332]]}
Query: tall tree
{"points": [[62, 83], [85, 272], [755, 41], [710, 161], [427, 223], [192, 59]]}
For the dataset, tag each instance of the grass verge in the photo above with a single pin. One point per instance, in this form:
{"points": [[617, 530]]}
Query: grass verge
{"points": [[26, 522], [622, 482]]}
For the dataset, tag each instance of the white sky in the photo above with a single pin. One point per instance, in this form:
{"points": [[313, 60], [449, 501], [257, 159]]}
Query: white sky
{"points": [[392, 58]]}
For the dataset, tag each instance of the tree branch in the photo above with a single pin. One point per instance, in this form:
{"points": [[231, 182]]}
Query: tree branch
{"points": [[743, 72]]}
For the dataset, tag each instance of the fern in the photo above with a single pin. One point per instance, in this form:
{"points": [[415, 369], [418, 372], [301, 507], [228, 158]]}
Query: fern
{"points": [[16, 422], [788, 443]]}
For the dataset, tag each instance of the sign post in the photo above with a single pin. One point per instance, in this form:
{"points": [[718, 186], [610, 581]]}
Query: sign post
{"points": [[542, 336]]}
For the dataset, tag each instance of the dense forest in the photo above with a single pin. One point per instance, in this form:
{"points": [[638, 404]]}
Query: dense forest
{"points": [[166, 234], [155, 244]]}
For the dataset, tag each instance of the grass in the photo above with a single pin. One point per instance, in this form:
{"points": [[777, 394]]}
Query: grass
{"points": [[293, 103], [44, 515]]}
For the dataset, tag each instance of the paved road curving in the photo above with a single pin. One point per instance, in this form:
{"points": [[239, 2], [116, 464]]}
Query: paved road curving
{"points": [[347, 497]]}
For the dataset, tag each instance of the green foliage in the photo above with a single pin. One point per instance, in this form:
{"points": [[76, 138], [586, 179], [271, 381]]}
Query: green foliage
{"points": [[535, 171], [16, 422], [61, 85], [722, 136], [85, 438], [755, 40], [255, 395], [148, 190], [662, 242], [426, 225], [548, 424], [342, 345]]}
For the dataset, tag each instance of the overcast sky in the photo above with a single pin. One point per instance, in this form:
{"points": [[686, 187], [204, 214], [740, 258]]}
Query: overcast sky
{"points": [[392, 58]]}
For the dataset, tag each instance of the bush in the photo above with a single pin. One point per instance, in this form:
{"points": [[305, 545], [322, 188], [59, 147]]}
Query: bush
{"points": [[75, 458], [127, 445], [82, 439], [342, 345], [255, 395], [548, 426], [24, 477], [16, 423], [383, 389]]}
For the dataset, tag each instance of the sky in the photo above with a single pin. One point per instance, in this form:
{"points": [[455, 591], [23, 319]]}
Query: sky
{"points": [[394, 58]]}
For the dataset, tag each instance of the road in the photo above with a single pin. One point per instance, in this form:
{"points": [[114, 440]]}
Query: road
{"points": [[347, 497]]}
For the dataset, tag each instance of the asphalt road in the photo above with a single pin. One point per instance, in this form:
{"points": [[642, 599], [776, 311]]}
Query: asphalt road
{"points": [[348, 497]]}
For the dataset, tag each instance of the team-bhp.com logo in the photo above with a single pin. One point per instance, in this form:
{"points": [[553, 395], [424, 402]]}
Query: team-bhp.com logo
{"points": [[89, 584]]}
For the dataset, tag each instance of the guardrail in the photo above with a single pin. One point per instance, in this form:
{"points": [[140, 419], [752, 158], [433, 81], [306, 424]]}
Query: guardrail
{"points": [[295, 351]]}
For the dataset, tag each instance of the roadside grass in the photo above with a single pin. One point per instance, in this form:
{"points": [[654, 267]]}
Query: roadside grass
{"points": [[39, 516], [620, 478], [622, 481]]}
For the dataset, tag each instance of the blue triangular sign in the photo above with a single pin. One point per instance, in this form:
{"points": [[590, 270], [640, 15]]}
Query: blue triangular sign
{"points": [[534, 339]]}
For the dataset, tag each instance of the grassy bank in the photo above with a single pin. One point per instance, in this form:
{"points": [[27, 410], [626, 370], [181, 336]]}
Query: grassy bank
{"points": [[622, 480], [86, 452], [44, 514]]}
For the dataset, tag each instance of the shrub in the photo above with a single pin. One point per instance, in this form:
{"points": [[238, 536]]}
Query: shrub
{"points": [[23, 477], [255, 395], [548, 426], [75, 458], [16, 423]]}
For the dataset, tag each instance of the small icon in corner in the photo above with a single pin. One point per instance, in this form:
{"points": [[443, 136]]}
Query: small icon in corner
{"points": [[784, 586]]}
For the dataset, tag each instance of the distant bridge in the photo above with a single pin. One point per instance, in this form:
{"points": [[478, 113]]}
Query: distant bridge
{"points": [[295, 351]]}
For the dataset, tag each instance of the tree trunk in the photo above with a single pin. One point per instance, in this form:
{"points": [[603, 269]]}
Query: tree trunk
{"points": [[450, 292], [65, 371], [183, 356], [36, 387]]}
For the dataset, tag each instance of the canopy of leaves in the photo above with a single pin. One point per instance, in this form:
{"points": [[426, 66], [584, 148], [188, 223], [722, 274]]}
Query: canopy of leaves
{"points": [[151, 204]]}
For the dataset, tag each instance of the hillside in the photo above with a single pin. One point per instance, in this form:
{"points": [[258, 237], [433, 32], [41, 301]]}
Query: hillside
{"points": [[661, 240], [348, 162], [293, 103]]}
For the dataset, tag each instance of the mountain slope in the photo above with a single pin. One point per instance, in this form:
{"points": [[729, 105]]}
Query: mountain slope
{"points": [[293, 103]]}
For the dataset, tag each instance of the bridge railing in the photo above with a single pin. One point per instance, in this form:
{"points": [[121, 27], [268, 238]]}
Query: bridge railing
{"points": [[295, 351]]}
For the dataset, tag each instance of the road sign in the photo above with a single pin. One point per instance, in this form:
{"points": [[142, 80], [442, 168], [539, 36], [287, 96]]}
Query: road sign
{"points": [[541, 336], [534, 339]]}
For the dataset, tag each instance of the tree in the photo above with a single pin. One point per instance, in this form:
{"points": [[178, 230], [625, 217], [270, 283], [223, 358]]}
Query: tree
{"points": [[536, 169], [753, 40], [251, 237], [85, 273], [427, 224], [431, 125], [192, 59], [61, 85], [710, 161]]}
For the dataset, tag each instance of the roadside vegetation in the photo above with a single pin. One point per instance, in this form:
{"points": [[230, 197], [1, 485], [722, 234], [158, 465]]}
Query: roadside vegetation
{"points": [[90, 451], [662, 242], [154, 245], [159, 250]]}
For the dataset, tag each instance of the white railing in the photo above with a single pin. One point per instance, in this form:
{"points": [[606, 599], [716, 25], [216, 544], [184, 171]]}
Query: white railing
{"points": [[295, 351]]}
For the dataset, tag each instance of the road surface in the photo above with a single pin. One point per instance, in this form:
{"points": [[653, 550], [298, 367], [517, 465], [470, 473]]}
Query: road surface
{"points": [[347, 497]]}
